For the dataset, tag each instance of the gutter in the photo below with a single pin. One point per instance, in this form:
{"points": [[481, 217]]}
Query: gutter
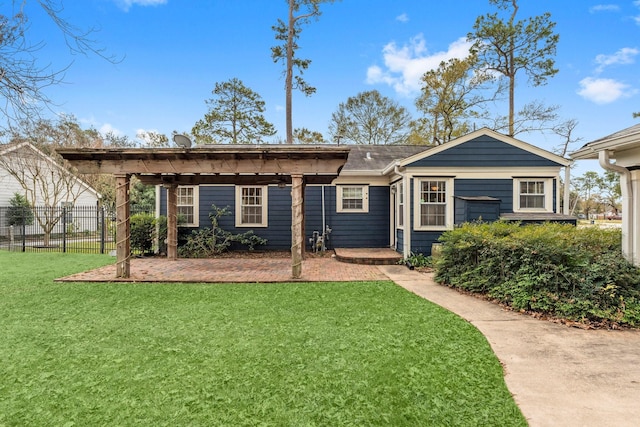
{"points": [[605, 163]]}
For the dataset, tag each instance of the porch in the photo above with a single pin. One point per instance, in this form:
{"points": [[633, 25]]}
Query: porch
{"points": [[358, 265]]}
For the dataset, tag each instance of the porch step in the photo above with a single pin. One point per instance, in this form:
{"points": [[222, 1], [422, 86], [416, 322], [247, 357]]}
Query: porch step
{"points": [[369, 256]]}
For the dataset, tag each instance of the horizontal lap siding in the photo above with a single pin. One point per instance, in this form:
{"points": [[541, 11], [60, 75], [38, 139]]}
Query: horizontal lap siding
{"points": [[313, 211], [363, 230], [222, 197], [278, 234], [483, 151], [421, 241], [349, 230], [499, 188]]}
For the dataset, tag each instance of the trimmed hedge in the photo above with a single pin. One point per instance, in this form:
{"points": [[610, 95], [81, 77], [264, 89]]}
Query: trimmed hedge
{"points": [[559, 270]]}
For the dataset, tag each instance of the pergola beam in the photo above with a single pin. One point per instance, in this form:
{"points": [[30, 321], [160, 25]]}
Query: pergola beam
{"points": [[238, 165], [200, 166], [231, 179]]}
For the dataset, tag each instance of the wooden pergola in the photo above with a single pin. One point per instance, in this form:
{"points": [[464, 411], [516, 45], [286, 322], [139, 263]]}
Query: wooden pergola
{"points": [[243, 165]]}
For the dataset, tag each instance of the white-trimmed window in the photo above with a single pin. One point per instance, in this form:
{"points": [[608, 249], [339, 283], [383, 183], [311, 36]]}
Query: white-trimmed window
{"points": [[251, 206], [400, 205], [533, 194], [352, 198], [187, 206], [433, 208]]}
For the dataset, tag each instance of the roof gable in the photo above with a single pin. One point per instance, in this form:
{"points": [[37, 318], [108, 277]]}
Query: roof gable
{"points": [[485, 148], [17, 148]]}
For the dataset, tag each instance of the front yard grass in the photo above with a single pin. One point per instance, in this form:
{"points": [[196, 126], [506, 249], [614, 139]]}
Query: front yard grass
{"points": [[293, 354]]}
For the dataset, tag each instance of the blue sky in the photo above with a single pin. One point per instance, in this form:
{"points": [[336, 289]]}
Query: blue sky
{"points": [[174, 51]]}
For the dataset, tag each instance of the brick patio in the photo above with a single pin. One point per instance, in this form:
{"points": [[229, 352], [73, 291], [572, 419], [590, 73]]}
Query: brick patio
{"points": [[232, 270]]}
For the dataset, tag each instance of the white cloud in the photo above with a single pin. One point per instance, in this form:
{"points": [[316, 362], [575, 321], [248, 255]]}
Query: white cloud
{"points": [[604, 91], [108, 128], [624, 56], [405, 65], [127, 4], [402, 18], [604, 8]]}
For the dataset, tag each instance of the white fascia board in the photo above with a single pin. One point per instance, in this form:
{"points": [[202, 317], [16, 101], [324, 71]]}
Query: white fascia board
{"points": [[361, 179], [590, 151], [485, 173], [352, 172]]}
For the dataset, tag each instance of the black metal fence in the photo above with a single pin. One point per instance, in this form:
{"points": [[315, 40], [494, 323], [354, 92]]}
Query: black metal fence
{"points": [[80, 229]]}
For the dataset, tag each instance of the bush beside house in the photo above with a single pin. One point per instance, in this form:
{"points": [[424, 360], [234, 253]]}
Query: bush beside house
{"points": [[557, 270]]}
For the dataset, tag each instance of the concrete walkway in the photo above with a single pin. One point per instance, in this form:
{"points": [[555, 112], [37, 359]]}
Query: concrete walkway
{"points": [[559, 375]]}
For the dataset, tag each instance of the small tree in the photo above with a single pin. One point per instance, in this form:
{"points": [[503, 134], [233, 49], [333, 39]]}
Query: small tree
{"points": [[19, 212], [235, 116], [207, 242], [142, 232], [306, 136], [370, 118], [451, 94], [509, 46]]}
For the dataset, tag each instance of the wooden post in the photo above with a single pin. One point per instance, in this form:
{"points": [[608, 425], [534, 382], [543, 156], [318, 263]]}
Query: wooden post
{"points": [[123, 227], [297, 220], [172, 222]]}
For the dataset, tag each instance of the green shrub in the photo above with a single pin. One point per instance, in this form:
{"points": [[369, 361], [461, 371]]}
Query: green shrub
{"points": [[19, 211], [143, 230], [555, 269], [207, 242]]}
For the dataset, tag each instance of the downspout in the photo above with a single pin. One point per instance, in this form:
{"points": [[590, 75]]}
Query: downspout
{"points": [[567, 190], [324, 221], [605, 163]]}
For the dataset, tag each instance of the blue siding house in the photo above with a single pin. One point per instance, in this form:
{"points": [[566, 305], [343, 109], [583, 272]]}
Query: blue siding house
{"points": [[403, 197]]}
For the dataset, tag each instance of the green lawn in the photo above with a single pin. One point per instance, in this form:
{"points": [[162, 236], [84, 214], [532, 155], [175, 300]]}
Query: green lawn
{"points": [[302, 354]]}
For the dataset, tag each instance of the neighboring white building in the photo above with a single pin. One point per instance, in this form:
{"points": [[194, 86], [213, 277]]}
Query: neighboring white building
{"points": [[620, 152], [28, 171], [49, 183]]}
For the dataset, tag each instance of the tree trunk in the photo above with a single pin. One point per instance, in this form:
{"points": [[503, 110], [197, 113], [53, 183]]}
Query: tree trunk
{"points": [[289, 74]]}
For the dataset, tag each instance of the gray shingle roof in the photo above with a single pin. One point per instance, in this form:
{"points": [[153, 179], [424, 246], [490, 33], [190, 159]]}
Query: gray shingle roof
{"points": [[378, 157], [620, 134]]}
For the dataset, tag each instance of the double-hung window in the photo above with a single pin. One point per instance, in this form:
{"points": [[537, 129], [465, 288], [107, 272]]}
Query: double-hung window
{"points": [[251, 206], [533, 194], [187, 206], [353, 198], [400, 204], [433, 210]]}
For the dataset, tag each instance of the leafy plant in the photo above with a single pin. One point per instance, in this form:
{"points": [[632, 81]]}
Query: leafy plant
{"points": [[207, 242], [143, 226], [418, 260], [554, 269], [19, 211]]}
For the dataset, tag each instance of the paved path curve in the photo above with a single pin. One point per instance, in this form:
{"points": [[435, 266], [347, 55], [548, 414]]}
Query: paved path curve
{"points": [[559, 376]]}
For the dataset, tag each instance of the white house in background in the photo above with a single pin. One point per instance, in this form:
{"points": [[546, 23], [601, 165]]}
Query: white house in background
{"points": [[620, 152], [28, 171], [48, 182]]}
